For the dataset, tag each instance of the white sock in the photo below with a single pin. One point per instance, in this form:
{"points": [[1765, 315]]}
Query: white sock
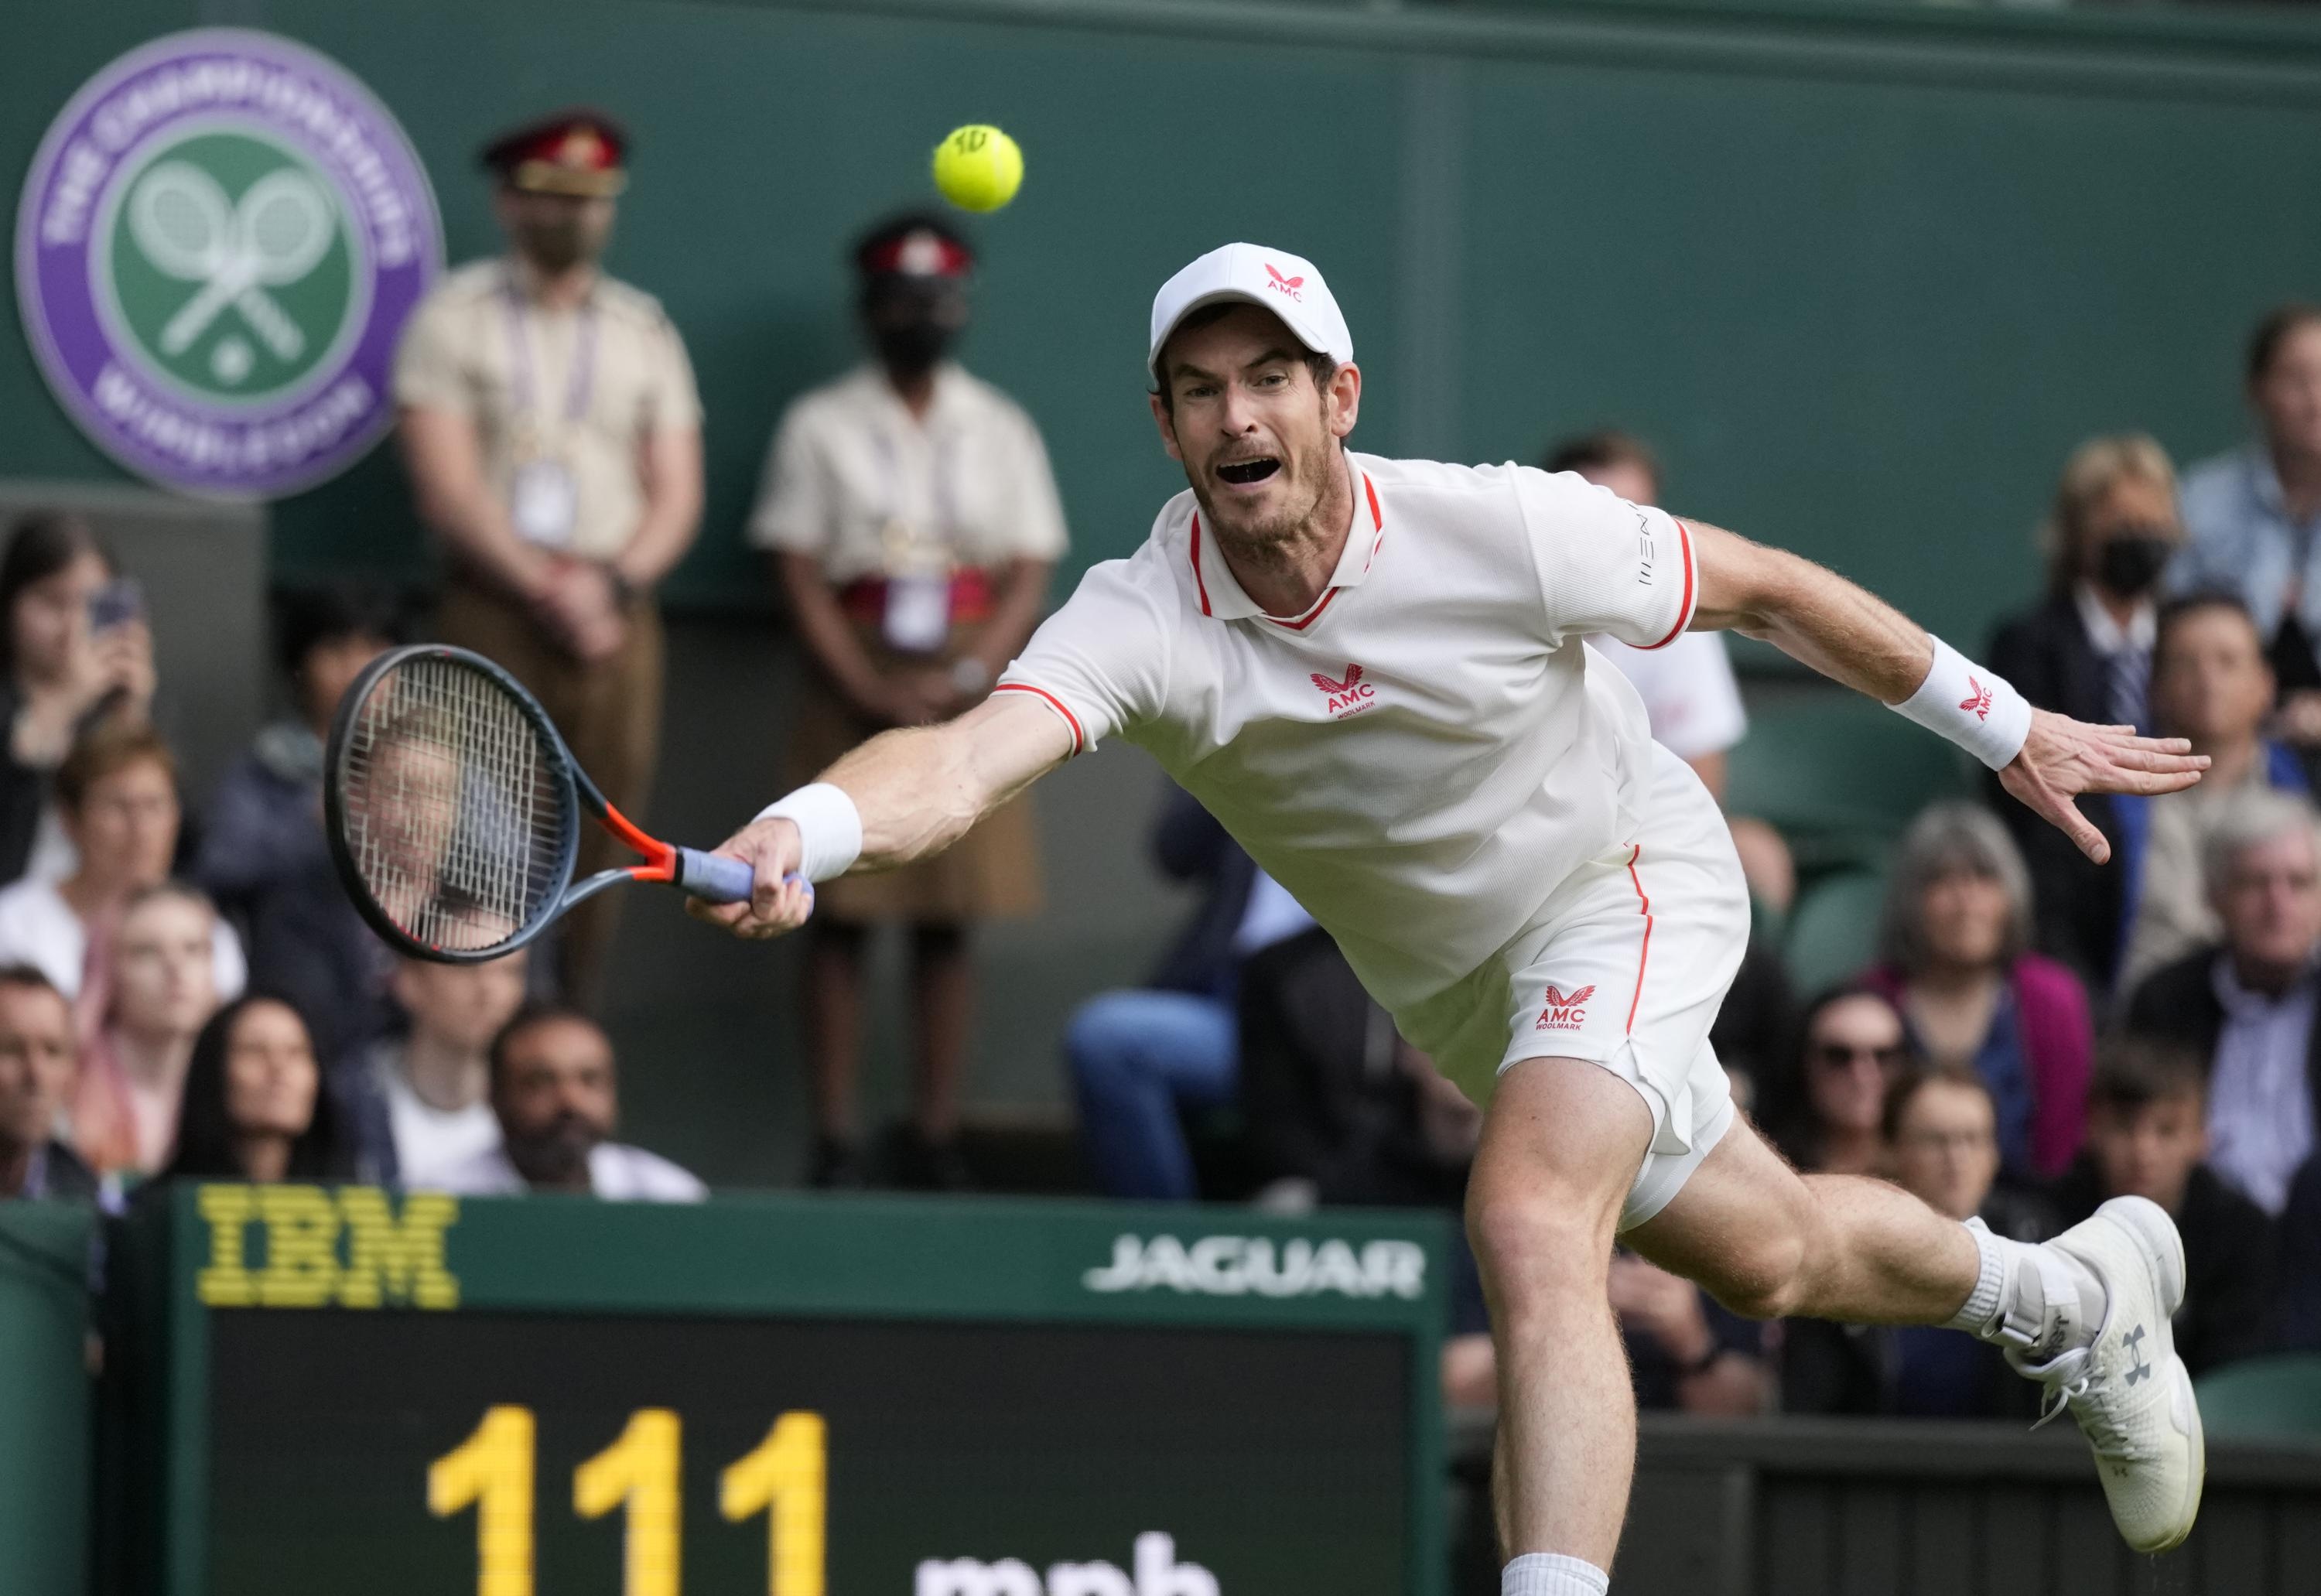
{"points": [[2035, 1298], [1549, 1573]]}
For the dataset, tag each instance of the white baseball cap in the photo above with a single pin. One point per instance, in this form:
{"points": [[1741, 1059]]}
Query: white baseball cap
{"points": [[1286, 285]]}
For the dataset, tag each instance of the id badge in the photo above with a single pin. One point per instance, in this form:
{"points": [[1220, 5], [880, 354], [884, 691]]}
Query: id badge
{"points": [[918, 612], [544, 502]]}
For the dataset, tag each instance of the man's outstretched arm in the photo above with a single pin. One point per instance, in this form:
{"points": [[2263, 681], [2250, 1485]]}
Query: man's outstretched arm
{"points": [[916, 791], [1850, 636]]}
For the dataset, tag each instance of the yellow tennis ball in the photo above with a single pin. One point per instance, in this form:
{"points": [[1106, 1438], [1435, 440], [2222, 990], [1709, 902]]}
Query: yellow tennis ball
{"points": [[978, 168]]}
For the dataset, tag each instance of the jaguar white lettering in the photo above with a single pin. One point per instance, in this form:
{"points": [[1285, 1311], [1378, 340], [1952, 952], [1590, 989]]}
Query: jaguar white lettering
{"points": [[1243, 1265]]}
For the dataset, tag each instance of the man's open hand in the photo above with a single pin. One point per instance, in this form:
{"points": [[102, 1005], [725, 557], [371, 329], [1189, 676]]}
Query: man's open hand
{"points": [[2064, 758], [776, 903]]}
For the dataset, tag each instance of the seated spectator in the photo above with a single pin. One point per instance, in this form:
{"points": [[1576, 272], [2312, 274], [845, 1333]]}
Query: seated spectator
{"points": [[1955, 960], [1337, 1102], [2246, 1006], [161, 991], [2147, 1137], [2210, 685], [1826, 1119], [2299, 1298], [36, 1072], [1942, 1124], [77, 652], [1141, 1059], [1687, 1352], [264, 856], [2252, 513], [2085, 651], [434, 1080], [118, 794], [254, 1106], [552, 1091]]}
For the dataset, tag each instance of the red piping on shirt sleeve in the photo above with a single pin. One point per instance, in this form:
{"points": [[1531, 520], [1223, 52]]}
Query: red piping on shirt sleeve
{"points": [[1684, 611], [1080, 737]]}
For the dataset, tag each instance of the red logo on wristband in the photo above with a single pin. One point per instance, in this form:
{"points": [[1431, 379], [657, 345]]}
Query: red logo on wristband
{"points": [[1977, 700]]}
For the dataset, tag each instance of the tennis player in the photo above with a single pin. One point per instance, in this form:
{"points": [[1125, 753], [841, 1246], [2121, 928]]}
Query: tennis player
{"points": [[1370, 671]]}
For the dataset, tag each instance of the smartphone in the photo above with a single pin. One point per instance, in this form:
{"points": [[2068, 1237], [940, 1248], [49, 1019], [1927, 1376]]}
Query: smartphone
{"points": [[119, 601]]}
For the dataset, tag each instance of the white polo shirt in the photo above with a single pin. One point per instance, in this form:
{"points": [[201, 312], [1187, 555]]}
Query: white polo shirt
{"points": [[1425, 754]]}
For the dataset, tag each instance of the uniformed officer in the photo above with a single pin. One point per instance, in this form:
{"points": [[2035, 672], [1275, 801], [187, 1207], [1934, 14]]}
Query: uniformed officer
{"points": [[912, 521], [553, 432]]}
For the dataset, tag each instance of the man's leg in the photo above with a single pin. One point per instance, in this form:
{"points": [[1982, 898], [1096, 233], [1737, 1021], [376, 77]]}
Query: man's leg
{"points": [[1562, 1145], [2086, 1314], [942, 988], [1770, 1243], [1136, 1057]]}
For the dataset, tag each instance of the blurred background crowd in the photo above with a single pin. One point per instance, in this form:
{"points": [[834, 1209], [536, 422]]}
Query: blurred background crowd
{"points": [[1939, 990]]}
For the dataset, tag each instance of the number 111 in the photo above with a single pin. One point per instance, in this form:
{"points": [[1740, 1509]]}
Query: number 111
{"points": [[783, 1476]]}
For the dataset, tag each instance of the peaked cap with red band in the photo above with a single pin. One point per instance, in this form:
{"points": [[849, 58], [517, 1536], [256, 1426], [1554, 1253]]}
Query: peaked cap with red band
{"points": [[915, 251], [579, 152]]}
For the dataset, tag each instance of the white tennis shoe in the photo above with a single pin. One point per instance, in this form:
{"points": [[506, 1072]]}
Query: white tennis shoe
{"points": [[2127, 1388]]}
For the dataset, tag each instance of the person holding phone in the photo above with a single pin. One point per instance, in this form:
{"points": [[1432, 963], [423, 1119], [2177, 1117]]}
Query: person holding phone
{"points": [[78, 651]]}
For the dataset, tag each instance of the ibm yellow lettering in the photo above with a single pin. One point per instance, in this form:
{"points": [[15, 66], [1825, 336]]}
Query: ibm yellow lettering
{"points": [[395, 1259], [225, 1282], [302, 1246]]}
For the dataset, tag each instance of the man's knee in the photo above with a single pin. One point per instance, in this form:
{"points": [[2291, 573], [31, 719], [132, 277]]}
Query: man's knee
{"points": [[1540, 1247], [1100, 1042]]}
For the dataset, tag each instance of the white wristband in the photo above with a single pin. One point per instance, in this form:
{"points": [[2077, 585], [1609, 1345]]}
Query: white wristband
{"points": [[1982, 712], [830, 829]]}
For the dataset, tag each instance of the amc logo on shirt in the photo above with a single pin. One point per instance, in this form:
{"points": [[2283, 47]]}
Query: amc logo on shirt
{"points": [[1563, 1011]]}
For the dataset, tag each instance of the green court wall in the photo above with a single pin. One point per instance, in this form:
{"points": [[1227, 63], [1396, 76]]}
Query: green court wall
{"points": [[1862, 273]]}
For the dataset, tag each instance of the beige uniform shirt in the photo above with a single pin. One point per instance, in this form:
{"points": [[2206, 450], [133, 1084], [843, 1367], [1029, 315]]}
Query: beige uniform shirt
{"points": [[585, 386], [852, 475]]}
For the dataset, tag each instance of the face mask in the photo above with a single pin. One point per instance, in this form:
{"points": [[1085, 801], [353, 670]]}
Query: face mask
{"points": [[554, 244], [911, 348], [2130, 564]]}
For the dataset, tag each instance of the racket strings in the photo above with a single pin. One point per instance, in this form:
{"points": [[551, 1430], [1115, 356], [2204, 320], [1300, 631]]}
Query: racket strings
{"points": [[455, 817]]}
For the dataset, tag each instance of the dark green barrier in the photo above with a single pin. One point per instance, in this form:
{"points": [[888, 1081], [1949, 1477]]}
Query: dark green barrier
{"points": [[45, 1408], [372, 1395]]}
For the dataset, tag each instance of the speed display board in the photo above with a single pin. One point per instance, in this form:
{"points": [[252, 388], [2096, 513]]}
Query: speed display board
{"points": [[378, 1395]]}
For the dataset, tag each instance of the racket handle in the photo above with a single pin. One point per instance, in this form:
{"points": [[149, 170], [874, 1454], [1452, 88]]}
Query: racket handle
{"points": [[713, 878]]}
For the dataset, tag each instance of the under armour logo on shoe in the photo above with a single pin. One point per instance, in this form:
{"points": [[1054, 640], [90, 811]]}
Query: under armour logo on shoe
{"points": [[1977, 701], [2135, 1339]]}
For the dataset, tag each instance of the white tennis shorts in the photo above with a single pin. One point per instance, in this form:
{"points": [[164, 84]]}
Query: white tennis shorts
{"points": [[1625, 965]]}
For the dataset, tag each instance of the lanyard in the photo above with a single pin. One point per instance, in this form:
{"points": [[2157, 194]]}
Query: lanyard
{"points": [[944, 533], [583, 376]]}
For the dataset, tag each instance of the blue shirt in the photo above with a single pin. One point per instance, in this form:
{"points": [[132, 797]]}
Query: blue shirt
{"points": [[2241, 539]]}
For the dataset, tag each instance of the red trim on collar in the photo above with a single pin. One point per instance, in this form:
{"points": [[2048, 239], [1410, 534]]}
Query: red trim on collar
{"points": [[1684, 610], [1378, 522]]}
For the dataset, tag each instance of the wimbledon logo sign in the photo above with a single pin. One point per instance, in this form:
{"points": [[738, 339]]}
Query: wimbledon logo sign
{"points": [[218, 241]]}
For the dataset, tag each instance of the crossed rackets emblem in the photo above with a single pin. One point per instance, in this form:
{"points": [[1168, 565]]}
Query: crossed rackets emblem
{"points": [[275, 235]]}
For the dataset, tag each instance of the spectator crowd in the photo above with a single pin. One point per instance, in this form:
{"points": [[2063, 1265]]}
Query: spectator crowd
{"points": [[185, 991]]}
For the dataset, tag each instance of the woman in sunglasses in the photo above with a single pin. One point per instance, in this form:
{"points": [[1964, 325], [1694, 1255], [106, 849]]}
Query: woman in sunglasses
{"points": [[1851, 1048]]}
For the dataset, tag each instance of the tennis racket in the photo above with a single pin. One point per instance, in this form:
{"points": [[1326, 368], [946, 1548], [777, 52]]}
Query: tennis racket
{"points": [[453, 810]]}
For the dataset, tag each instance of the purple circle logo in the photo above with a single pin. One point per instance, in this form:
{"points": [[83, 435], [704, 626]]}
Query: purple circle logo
{"points": [[217, 245]]}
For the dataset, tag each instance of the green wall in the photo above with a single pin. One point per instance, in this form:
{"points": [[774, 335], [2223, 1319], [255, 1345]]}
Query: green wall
{"points": [[1864, 273]]}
